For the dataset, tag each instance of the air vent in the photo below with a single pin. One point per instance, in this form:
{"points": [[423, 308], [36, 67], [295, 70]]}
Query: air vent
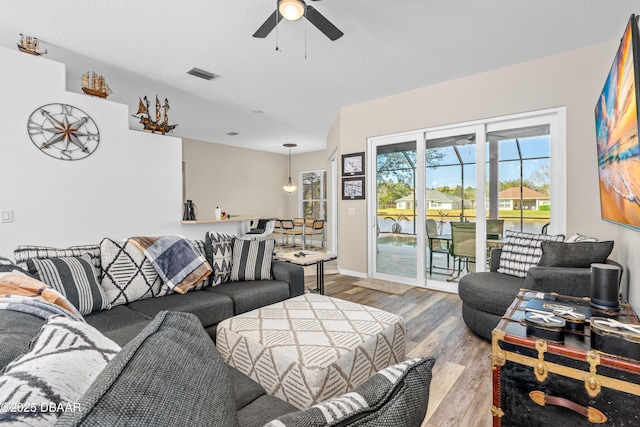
{"points": [[203, 74]]}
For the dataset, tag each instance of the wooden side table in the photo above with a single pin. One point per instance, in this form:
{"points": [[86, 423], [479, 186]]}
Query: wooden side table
{"points": [[309, 258], [538, 382]]}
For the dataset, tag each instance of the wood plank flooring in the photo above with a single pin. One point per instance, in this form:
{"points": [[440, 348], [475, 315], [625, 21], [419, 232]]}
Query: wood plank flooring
{"points": [[460, 393]]}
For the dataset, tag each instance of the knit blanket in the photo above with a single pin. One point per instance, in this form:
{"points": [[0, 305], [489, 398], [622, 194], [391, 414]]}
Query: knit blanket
{"points": [[180, 265], [19, 292]]}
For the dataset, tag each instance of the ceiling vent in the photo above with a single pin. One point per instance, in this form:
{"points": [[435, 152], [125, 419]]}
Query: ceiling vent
{"points": [[203, 74]]}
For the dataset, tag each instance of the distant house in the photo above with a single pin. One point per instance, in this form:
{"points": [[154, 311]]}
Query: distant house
{"points": [[435, 200], [511, 199]]}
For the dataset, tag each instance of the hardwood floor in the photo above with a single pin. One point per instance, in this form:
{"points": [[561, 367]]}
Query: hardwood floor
{"points": [[460, 393]]}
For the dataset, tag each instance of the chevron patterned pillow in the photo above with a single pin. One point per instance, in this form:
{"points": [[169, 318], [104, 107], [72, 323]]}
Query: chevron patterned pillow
{"points": [[218, 248], [65, 358]]}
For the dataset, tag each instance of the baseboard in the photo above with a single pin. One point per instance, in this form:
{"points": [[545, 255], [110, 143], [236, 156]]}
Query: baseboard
{"points": [[352, 273]]}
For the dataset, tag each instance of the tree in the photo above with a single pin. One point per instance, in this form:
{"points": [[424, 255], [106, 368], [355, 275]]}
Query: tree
{"points": [[541, 179], [389, 192]]}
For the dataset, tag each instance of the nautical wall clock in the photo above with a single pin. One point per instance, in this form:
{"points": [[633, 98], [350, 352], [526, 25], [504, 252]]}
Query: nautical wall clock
{"points": [[63, 131]]}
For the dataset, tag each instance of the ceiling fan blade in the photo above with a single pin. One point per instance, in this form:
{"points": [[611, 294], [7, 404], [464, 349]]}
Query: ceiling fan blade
{"points": [[268, 25], [323, 24]]}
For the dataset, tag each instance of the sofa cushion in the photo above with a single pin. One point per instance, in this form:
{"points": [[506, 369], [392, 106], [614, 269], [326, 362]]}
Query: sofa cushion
{"points": [[263, 410], [132, 389], [23, 253], [65, 357], [73, 277], [209, 307], [396, 396], [16, 332], [219, 254], [251, 259], [245, 389], [522, 251], [127, 275], [489, 291], [579, 254], [250, 295]]}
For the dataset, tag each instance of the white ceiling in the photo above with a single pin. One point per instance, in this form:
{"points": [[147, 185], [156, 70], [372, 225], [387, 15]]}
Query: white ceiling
{"points": [[144, 47]]}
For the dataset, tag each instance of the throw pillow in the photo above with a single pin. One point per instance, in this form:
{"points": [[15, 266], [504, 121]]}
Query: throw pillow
{"points": [[522, 251], [127, 275], [579, 254], [5, 261], [251, 259], [23, 253], [73, 277], [218, 248], [65, 358], [170, 374], [395, 396], [580, 238]]}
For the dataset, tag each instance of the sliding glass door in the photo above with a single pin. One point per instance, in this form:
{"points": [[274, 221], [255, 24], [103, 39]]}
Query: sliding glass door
{"points": [[397, 219], [445, 197]]}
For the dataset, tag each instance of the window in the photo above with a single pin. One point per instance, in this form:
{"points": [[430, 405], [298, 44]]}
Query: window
{"points": [[313, 194]]}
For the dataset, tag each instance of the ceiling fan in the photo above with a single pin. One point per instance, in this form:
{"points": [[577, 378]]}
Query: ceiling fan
{"points": [[293, 10]]}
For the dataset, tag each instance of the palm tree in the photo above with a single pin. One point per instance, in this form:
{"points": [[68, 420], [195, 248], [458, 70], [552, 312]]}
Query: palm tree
{"points": [[396, 228]]}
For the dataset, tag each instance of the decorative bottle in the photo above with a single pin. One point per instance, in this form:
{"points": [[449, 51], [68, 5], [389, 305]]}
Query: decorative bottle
{"points": [[217, 213]]}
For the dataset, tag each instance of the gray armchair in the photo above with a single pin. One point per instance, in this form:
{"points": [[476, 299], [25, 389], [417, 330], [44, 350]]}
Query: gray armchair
{"points": [[487, 295]]}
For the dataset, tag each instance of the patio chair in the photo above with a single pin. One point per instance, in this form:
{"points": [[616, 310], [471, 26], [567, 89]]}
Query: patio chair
{"points": [[435, 245], [463, 245], [495, 228]]}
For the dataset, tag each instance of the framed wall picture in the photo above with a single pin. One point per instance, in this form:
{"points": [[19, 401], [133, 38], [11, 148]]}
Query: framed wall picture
{"points": [[353, 164], [353, 188]]}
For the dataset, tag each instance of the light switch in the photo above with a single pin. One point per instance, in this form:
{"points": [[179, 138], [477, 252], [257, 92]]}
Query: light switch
{"points": [[352, 211], [6, 215]]}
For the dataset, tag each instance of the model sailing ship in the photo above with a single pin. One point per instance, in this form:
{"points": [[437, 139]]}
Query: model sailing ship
{"points": [[95, 85], [31, 45], [161, 123]]}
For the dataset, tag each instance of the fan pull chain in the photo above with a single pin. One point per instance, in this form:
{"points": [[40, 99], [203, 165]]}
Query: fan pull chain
{"points": [[277, 48], [305, 37]]}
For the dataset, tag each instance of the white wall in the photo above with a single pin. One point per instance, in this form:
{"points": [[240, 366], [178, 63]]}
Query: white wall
{"points": [[572, 79], [131, 185]]}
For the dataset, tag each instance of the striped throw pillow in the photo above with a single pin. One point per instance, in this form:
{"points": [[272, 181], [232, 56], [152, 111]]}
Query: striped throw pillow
{"points": [[251, 259], [73, 277], [24, 253]]}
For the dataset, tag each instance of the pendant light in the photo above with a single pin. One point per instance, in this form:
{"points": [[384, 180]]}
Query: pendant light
{"points": [[289, 188]]}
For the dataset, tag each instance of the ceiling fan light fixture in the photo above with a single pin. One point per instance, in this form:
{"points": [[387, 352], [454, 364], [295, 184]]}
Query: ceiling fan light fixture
{"points": [[291, 10]]}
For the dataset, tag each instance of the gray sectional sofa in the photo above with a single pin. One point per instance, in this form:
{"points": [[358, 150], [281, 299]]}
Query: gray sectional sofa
{"points": [[152, 361]]}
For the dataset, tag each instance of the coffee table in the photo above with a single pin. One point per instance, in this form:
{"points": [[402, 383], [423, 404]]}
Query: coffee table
{"points": [[309, 258], [312, 347]]}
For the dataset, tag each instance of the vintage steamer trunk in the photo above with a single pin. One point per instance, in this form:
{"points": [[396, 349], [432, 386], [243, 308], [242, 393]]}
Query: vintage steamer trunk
{"points": [[540, 383]]}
